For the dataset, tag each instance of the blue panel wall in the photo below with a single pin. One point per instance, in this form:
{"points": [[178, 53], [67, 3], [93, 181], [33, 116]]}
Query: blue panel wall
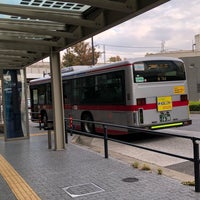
{"points": [[12, 87]]}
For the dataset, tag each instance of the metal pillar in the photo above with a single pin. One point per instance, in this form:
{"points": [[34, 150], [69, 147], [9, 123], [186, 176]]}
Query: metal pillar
{"points": [[58, 108]]}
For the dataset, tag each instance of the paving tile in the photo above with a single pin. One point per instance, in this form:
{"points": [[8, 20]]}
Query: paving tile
{"points": [[47, 172]]}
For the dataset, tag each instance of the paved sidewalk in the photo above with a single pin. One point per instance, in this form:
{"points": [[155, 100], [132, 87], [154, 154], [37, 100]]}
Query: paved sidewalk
{"points": [[81, 174]]}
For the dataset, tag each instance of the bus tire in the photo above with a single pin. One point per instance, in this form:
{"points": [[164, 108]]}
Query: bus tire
{"points": [[86, 126]]}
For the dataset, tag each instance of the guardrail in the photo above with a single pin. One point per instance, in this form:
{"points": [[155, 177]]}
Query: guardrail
{"points": [[195, 141]]}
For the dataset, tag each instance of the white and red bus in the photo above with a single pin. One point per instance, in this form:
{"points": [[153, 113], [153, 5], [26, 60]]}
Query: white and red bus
{"points": [[149, 92]]}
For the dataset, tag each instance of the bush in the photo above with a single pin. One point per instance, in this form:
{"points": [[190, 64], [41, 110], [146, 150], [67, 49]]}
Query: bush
{"points": [[189, 183], [159, 171], [135, 164], [145, 168], [194, 105]]}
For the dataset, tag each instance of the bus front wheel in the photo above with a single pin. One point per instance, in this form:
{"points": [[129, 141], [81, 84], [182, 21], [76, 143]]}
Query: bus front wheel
{"points": [[86, 126]]}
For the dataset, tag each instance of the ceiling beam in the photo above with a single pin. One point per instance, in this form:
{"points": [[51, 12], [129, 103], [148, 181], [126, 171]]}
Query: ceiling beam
{"points": [[34, 23], [35, 41], [40, 31], [11, 58], [17, 46], [21, 53]]}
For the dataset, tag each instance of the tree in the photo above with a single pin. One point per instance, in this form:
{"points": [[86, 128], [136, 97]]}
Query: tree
{"points": [[114, 59], [80, 54]]}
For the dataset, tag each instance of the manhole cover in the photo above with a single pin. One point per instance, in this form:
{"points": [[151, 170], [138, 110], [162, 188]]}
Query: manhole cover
{"points": [[82, 190], [130, 179]]}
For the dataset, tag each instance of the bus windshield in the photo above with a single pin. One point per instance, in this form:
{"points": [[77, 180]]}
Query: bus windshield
{"points": [[156, 71]]}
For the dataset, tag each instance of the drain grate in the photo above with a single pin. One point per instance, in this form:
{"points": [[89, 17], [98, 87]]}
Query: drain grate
{"points": [[82, 190], [130, 179]]}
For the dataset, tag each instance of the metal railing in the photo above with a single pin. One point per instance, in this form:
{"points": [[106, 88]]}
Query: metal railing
{"points": [[69, 126]]}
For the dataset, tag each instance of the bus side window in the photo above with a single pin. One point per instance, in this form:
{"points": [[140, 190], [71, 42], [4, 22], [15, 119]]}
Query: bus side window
{"points": [[48, 94], [41, 99], [41, 94], [35, 96], [67, 91]]}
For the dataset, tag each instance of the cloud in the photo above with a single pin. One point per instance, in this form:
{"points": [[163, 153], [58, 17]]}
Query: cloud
{"points": [[175, 22]]}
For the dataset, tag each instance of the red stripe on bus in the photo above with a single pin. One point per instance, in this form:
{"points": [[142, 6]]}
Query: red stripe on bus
{"points": [[110, 107], [180, 103], [150, 106], [123, 108]]}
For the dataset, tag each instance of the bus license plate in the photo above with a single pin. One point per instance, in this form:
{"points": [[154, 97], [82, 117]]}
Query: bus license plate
{"points": [[165, 117]]}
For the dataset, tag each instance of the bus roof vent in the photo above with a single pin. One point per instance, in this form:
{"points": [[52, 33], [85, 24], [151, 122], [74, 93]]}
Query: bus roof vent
{"points": [[67, 69], [75, 68]]}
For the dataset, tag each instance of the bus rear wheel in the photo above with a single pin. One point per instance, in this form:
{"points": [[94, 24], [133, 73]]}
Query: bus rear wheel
{"points": [[86, 126]]}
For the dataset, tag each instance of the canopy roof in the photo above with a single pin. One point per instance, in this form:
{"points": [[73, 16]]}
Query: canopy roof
{"points": [[31, 29]]}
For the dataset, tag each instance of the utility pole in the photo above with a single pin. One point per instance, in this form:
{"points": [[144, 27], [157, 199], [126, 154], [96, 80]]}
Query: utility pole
{"points": [[92, 50], [162, 46], [104, 51]]}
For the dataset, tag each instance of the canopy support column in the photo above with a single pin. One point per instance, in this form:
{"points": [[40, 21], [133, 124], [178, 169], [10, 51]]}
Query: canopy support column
{"points": [[57, 95]]}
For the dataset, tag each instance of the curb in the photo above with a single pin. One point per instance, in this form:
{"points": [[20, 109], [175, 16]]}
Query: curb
{"points": [[194, 112]]}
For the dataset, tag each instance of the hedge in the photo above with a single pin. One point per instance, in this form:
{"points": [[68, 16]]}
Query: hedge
{"points": [[194, 105]]}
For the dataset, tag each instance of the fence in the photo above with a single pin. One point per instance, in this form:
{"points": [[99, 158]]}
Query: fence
{"points": [[195, 141]]}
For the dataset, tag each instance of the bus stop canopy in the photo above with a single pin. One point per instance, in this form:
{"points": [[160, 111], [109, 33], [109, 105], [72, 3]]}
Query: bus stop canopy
{"points": [[31, 29]]}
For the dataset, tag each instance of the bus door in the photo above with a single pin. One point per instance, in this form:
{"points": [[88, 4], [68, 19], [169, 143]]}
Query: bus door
{"points": [[34, 105]]}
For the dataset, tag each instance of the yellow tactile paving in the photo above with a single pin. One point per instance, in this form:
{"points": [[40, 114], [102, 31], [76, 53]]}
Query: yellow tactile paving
{"points": [[38, 134], [17, 184]]}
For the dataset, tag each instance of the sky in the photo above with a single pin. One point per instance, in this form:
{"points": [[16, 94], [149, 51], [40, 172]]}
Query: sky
{"points": [[173, 24]]}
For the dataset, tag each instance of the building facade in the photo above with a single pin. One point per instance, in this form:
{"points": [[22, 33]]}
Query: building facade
{"points": [[37, 70], [191, 58]]}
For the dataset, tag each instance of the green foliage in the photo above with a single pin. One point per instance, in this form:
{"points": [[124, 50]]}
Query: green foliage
{"points": [[145, 167], [159, 171], [189, 183], [194, 105], [114, 59], [80, 54], [135, 164]]}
